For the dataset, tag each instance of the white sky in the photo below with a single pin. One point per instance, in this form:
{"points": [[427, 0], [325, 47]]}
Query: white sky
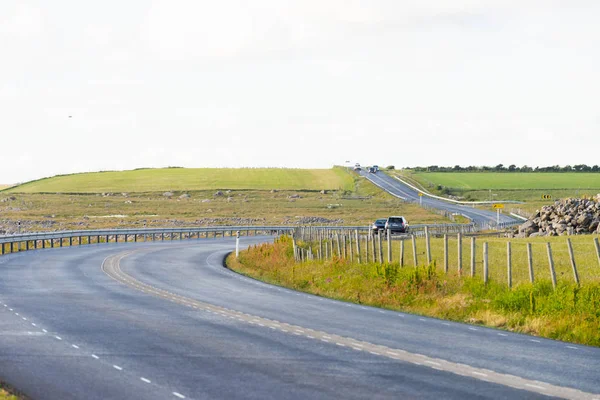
{"points": [[304, 83]]}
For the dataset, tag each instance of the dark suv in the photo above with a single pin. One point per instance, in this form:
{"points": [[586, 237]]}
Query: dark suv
{"points": [[396, 224], [378, 225]]}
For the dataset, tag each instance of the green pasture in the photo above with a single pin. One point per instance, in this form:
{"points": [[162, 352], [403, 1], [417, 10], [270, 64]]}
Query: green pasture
{"points": [[509, 181], [188, 179]]}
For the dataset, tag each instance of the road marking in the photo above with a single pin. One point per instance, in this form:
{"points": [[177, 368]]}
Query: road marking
{"points": [[145, 380], [10, 309], [535, 386], [16, 313], [178, 395], [58, 337], [112, 268], [45, 331], [478, 373], [572, 347], [502, 334], [32, 324], [117, 368], [95, 356], [535, 341], [445, 324], [75, 346], [24, 319]]}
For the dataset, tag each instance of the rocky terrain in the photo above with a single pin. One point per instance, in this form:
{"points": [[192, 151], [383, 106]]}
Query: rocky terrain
{"points": [[570, 216]]}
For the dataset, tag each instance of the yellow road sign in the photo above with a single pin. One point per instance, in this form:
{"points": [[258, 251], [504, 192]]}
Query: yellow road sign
{"points": [[498, 206], [420, 194]]}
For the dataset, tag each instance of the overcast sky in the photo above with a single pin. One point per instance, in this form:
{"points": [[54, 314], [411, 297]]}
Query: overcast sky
{"points": [[305, 83]]}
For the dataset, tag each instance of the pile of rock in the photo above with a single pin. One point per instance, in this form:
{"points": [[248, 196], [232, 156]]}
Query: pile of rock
{"points": [[565, 217]]}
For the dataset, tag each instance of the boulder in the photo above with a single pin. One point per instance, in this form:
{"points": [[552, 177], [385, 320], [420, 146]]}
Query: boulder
{"points": [[168, 194]]}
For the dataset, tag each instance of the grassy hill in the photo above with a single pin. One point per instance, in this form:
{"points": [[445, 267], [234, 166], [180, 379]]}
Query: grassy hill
{"points": [[187, 179]]}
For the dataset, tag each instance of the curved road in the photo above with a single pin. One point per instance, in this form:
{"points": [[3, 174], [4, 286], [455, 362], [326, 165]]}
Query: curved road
{"points": [[398, 189], [167, 321]]}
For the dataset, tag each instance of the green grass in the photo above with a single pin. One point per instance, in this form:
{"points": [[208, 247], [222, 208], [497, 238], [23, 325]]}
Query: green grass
{"points": [[568, 313], [180, 179], [517, 180]]}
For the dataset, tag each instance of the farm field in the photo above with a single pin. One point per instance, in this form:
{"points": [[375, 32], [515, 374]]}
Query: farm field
{"points": [[187, 179], [510, 181], [530, 188], [55, 211]]}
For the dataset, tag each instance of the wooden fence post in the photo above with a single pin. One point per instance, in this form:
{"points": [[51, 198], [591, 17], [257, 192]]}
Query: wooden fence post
{"points": [[509, 264], [530, 262], [473, 256], [337, 240], [380, 248], [459, 253], [485, 262], [357, 245], [572, 258], [551, 265], [446, 253], [414, 248], [597, 249], [402, 252], [389, 244], [344, 251], [427, 246], [367, 237], [350, 247]]}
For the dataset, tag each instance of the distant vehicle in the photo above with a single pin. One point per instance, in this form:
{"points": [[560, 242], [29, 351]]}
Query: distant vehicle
{"points": [[376, 168], [372, 170], [357, 167], [378, 225], [396, 224]]}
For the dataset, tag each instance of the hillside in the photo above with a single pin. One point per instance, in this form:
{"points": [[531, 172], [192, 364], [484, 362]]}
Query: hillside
{"points": [[187, 179]]}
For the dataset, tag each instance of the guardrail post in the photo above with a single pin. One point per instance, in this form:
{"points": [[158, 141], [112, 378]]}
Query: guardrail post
{"points": [[43, 244], [373, 248], [52, 243], [379, 244], [427, 245], [357, 245], [106, 238], [367, 236], [572, 258], [12, 247], [3, 251], [98, 239], [337, 241], [135, 237], [344, 250], [35, 244], [89, 240], [485, 262], [551, 265], [530, 262], [237, 244]]}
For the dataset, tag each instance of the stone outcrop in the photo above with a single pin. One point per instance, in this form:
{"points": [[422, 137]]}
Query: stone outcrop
{"points": [[571, 216]]}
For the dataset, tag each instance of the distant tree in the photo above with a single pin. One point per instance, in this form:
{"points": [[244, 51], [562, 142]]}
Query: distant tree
{"points": [[457, 168], [499, 167], [512, 168], [567, 168], [525, 168], [595, 168], [390, 167]]}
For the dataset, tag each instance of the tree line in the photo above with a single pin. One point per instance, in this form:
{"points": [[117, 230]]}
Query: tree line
{"points": [[510, 168]]}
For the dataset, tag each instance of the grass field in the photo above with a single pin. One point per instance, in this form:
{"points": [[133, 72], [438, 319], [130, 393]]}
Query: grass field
{"points": [[511, 181], [568, 313], [525, 187], [54, 211], [179, 179]]}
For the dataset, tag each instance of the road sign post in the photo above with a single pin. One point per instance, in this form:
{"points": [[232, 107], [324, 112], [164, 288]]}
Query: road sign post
{"points": [[498, 207], [421, 199]]}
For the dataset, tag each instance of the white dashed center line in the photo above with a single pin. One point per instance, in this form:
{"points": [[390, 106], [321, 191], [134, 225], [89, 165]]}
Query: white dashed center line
{"points": [[75, 346], [178, 395], [145, 380], [117, 368], [95, 356], [58, 337]]}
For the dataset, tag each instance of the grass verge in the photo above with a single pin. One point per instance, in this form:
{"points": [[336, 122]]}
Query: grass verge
{"points": [[569, 313]]}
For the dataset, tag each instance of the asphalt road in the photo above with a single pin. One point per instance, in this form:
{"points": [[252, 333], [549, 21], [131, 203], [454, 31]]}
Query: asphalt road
{"points": [[167, 321], [397, 188]]}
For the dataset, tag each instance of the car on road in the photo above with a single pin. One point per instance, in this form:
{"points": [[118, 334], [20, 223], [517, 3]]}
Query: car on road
{"points": [[357, 167], [372, 170], [378, 225], [396, 224], [376, 168]]}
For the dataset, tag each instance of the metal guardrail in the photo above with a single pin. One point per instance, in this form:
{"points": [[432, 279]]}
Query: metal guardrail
{"points": [[125, 234]]}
